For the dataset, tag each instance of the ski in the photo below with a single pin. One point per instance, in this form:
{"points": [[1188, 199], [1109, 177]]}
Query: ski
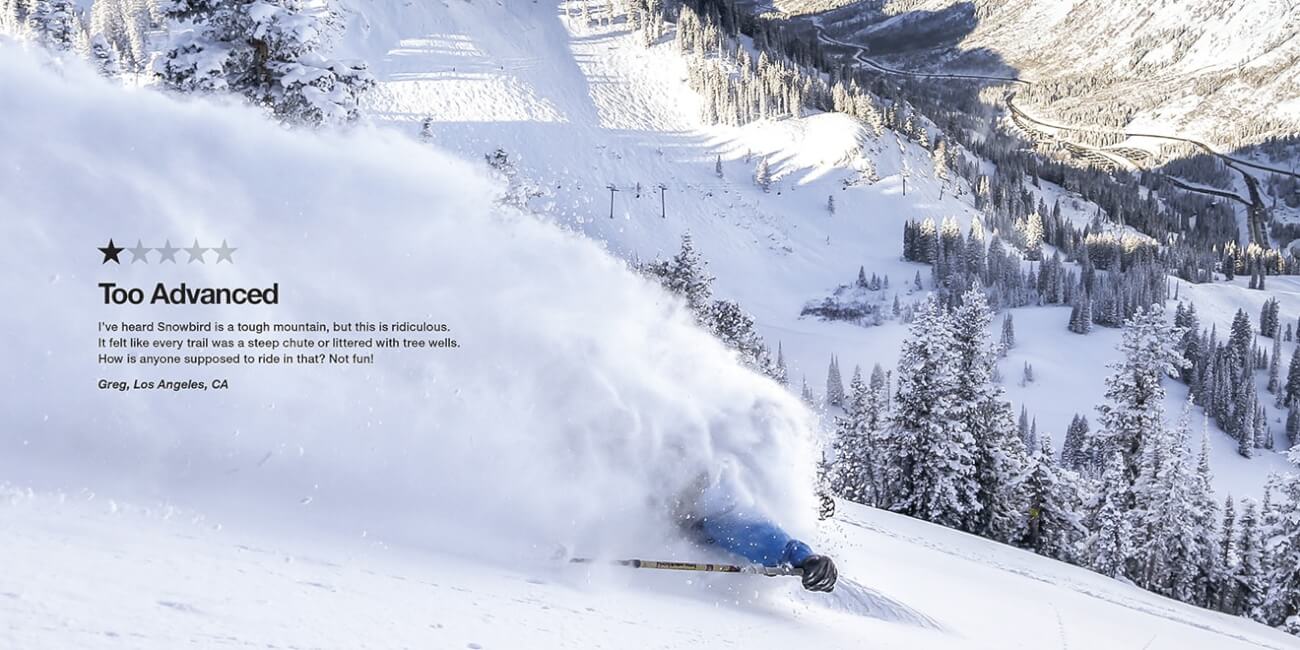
{"points": [[749, 569]]}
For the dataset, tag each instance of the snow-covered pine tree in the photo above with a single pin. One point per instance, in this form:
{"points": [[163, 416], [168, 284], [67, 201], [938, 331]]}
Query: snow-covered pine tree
{"points": [[1291, 389], [1209, 570], [104, 56], [834, 384], [853, 474], [717, 166], [983, 409], [265, 50], [806, 393], [877, 405], [1108, 547], [1072, 454], [781, 374], [1008, 333], [1134, 407], [1226, 590], [735, 328], [1283, 535], [1248, 574], [926, 452], [1053, 527], [1293, 425], [52, 23], [1275, 366], [1268, 318], [1022, 427], [1165, 528], [685, 275]]}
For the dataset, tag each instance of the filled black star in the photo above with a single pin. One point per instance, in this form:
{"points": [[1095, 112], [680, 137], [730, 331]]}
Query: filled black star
{"points": [[111, 252]]}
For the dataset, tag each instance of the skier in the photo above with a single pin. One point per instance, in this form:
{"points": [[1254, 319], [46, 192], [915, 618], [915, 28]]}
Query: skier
{"points": [[722, 515]]}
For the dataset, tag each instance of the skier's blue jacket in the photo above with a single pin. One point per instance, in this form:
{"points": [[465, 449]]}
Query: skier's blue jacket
{"points": [[753, 538], [724, 515]]}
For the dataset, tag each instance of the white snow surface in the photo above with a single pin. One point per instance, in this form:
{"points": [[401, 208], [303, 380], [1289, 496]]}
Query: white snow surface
{"points": [[580, 401], [83, 571], [417, 502], [620, 113]]}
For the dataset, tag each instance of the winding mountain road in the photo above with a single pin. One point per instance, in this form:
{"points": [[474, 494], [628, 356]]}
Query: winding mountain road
{"points": [[1257, 211]]}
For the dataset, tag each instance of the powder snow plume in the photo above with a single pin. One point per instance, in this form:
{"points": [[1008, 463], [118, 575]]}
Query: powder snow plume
{"points": [[580, 401]]}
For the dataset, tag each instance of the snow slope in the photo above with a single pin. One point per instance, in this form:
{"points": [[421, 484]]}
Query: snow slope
{"points": [[606, 110], [1199, 68], [571, 373], [398, 504], [165, 577]]}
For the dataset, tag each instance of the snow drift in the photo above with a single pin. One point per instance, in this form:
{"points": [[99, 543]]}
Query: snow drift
{"points": [[579, 400]]}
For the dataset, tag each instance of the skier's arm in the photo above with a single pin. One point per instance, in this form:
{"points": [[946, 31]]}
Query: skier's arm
{"points": [[757, 540]]}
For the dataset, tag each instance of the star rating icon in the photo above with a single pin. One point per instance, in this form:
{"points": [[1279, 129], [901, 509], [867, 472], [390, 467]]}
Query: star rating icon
{"points": [[167, 252]]}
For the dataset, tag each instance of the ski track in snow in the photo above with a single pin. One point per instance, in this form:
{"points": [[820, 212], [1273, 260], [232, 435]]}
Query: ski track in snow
{"points": [[1165, 613]]}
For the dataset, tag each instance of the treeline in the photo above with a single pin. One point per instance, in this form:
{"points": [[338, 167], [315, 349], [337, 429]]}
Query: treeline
{"points": [[1221, 374], [685, 275], [1116, 276], [1126, 499], [269, 52]]}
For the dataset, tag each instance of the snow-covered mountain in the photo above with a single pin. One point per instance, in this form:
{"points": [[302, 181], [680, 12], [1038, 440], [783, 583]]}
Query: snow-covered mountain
{"points": [[420, 501], [1219, 70]]}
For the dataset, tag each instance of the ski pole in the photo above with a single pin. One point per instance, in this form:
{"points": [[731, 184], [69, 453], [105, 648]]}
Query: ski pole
{"points": [[750, 569]]}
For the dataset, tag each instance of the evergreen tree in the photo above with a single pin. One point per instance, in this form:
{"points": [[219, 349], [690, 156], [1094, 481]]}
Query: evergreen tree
{"points": [[987, 417], [717, 166], [685, 276], [1053, 528], [265, 50], [853, 475], [1167, 541], [1108, 548], [1209, 570], [1268, 318], [781, 376], [806, 394], [1248, 574], [1275, 366], [834, 385], [1291, 390], [1134, 408], [1293, 424], [926, 452], [1008, 333], [53, 23], [877, 400], [1073, 455], [1227, 589], [1022, 428], [1284, 543]]}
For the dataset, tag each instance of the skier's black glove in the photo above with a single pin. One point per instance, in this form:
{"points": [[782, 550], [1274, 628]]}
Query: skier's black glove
{"points": [[819, 573]]}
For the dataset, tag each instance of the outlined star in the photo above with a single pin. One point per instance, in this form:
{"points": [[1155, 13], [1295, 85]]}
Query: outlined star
{"points": [[111, 252], [168, 252], [140, 253], [196, 253], [224, 251]]}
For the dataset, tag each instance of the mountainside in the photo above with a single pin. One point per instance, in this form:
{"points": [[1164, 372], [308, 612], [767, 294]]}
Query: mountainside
{"points": [[516, 166], [1220, 71], [576, 105]]}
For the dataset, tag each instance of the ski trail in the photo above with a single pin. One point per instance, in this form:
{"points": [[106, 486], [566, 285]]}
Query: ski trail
{"points": [[1115, 599], [855, 598]]}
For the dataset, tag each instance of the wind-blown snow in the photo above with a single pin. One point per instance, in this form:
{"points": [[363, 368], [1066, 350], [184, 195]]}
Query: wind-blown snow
{"points": [[573, 373]]}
